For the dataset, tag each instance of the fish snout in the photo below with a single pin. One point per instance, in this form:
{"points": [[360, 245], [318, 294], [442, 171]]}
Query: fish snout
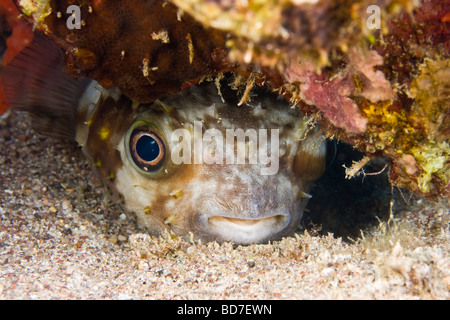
{"points": [[246, 225]]}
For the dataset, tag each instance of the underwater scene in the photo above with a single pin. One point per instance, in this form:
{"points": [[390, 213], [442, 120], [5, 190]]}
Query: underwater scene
{"points": [[225, 149]]}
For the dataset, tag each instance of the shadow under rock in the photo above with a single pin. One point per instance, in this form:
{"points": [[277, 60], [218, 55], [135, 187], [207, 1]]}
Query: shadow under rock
{"points": [[343, 206]]}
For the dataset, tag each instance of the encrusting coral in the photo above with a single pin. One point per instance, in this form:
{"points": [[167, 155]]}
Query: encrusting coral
{"points": [[141, 48], [376, 74]]}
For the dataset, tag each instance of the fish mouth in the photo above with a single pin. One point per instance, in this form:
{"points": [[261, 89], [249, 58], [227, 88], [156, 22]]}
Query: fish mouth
{"points": [[248, 230]]}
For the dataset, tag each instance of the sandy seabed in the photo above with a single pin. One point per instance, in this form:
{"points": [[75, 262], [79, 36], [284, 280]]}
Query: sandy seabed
{"points": [[62, 238]]}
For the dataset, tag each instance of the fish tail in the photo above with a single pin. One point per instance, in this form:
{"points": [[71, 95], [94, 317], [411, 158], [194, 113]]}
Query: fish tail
{"points": [[35, 82]]}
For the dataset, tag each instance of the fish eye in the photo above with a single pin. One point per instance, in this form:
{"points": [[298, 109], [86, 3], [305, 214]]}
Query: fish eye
{"points": [[147, 149]]}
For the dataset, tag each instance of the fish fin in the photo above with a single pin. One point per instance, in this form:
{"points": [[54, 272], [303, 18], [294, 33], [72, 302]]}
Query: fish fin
{"points": [[35, 82], [310, 161]]}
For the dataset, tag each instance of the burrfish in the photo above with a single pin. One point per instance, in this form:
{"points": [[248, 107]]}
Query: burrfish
{"points": [[197, 162]]}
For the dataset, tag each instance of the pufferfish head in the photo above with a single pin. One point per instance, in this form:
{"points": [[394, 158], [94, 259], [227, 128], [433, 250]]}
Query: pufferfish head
{"points": [[197, 162]]}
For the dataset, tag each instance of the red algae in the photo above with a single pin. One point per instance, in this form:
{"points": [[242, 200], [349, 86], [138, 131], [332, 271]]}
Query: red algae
{"points": [[21, 36], [329, 95]]}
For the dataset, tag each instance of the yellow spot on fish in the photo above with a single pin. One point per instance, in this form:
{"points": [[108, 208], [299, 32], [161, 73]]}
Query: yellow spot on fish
{"points": [[147, 210], [111, 175], [170, 219], [98, 163], [305, 195], [176, 193], [167, 109], [135, 105], [104, 133]]}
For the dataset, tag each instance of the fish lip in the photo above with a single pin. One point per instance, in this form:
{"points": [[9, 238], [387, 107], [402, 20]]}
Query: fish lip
{"points": [[246, 230], [246, 221]]}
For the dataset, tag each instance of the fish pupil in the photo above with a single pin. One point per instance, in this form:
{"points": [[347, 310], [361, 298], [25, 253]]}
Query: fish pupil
{"points": [[147, 148]]}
